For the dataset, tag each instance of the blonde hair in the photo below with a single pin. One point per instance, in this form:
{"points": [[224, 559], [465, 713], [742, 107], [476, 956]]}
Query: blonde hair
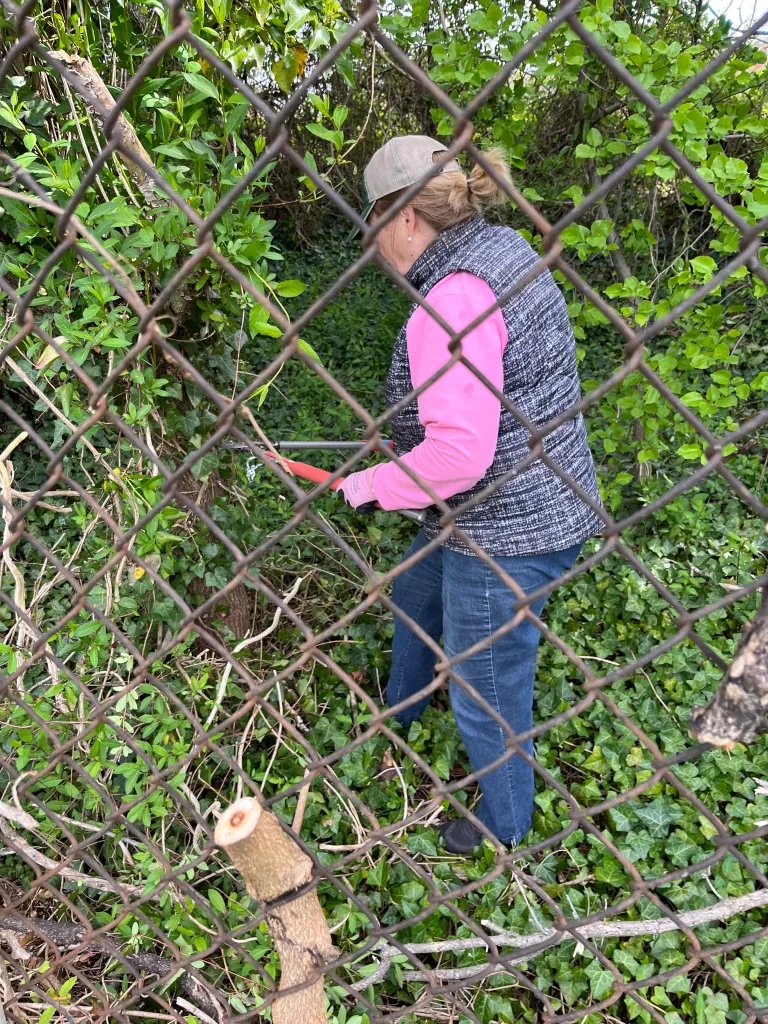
{"points": [[451, 197]]}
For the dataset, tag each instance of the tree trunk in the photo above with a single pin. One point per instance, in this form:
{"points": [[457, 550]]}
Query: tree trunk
{"points": [[235, 612], [737, 712]]}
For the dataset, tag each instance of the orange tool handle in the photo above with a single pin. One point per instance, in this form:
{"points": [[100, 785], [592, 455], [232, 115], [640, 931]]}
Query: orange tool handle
{"points": [[307, 472]]}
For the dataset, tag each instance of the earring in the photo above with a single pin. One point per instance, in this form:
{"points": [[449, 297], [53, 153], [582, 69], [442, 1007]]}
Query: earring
{"points": [[409, 238]]}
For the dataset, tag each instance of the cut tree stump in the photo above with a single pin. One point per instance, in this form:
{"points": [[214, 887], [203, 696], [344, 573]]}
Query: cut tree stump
{"points": [[272, 866]]}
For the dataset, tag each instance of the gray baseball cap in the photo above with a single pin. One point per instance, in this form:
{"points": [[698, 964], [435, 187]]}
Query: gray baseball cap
{"points": [[399, 163]]}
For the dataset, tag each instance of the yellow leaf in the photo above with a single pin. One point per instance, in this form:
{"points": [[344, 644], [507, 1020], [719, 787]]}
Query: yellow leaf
{"points": [[49, 354], [301, 59], [138, 572]]}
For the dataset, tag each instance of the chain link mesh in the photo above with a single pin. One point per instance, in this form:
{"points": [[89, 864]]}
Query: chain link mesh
{"points": [[81, 914]]}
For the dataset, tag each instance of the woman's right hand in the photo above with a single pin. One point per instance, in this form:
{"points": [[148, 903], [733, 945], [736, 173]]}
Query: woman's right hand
{"points": [[357, 489]]}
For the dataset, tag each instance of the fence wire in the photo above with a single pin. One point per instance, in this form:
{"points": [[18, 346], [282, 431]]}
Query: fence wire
{"points": [[76, 942]]}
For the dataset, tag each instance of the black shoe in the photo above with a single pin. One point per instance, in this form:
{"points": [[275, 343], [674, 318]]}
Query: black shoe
{"points": [[460, 836]]}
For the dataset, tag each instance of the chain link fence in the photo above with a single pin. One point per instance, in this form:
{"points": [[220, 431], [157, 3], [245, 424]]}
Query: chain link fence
{"points": [[102, 945]]}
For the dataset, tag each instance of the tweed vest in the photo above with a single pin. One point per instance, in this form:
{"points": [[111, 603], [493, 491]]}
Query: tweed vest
{"points": [[534, 511]]}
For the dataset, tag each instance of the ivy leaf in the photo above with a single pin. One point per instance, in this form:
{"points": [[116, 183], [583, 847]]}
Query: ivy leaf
{"points": [[624, 960], [286, 70], [319, 40], [620, 821], [680, 849], [201, 85], [658, 815], [600, 980], [296, 14], [378, 875], [610, 871], [423, 842]]}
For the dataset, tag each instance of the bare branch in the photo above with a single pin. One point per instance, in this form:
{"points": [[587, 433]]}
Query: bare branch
{"points": [[721, 911], [97, 97]]}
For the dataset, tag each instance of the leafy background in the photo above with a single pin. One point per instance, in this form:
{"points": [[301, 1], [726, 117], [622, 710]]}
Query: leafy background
{"points": [[566, 123]]}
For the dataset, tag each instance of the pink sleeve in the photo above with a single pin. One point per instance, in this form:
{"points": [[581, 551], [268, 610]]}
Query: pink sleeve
{"points": [[460, 415]]}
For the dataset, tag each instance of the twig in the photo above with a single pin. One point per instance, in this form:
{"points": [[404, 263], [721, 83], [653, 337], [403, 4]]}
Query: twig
{"points": [[191, 1008], [265, 440], [301, 804], [10, 448], [80, 135], [278, 735], [354, 143], [19, 588], [12, 941], [17, 816], [339, 847]]}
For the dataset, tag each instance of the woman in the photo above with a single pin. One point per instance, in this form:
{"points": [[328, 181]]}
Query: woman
{"points": [[457, 438]]}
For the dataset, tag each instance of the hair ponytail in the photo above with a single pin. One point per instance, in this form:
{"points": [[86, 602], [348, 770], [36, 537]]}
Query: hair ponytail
{"points": [[451, 197], [483, 187]]}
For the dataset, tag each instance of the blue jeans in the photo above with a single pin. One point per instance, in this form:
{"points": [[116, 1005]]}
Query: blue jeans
{"points": [[457, 597]]}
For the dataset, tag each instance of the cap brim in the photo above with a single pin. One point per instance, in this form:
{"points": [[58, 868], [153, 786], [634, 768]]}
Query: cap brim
{"points": [[365, 215]]}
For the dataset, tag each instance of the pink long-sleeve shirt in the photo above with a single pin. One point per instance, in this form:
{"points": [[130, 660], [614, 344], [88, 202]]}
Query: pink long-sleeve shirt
{"points": [[459, 414]]}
